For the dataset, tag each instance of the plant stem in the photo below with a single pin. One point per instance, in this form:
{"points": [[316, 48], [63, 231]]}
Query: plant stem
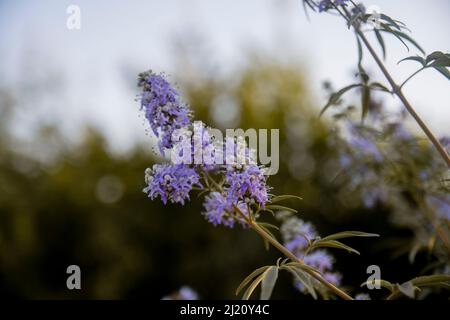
{"points": [[252, 223], [398, 92], [291, 256], [410, 77]]}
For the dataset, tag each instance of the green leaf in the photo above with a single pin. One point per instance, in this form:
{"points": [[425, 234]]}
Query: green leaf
{"points": [[268, 225], [436, 55], [414, 58], [332, 244], [391, 21], [365, 101], [430, 280], [302, 266], [381, 42], [409, 39], [408, 289], [361, 71], [444, 71], [278, 207], [360, 51], [388, 29], [402, 37], [383, 283], [253, 286], [268, 282], [304, 279], [334, 98], [441, 62], [379, 86], [413, 252], [250, 277], [284, 197], [349, 234]]}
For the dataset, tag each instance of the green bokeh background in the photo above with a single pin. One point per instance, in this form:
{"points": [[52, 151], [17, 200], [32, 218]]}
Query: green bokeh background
{"points": [[84, 205]]}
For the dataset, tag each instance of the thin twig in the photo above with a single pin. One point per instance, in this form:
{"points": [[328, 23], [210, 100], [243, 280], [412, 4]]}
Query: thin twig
{"points": [[398, 92], [291, 256]]}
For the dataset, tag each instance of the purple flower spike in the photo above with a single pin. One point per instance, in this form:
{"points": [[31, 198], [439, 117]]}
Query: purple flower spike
{"points": [[248, 185], [163, 109], [219, 210], [171, 182]]}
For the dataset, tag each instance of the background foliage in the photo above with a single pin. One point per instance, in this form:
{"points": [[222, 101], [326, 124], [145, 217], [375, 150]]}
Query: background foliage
{"points": [[83, 204]]}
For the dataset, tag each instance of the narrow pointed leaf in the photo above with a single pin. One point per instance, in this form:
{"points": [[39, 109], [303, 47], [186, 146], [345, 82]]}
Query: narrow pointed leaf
{"points": [[305, 280], [349, 234], [436, 55], [379, 86], [428, 280], [284, 197], [281, 208], [444, 71], [381, 42], [391, 21], [414, 58], [334, 98], [268, 225], [268, 283], [409, 39], [250, 277], [383, 283], [408, 289], [303, 267], [253, 286], [365, 101], [333, 244]]}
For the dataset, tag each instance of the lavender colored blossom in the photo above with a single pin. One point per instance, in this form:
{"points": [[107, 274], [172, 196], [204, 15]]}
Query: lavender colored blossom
{"points": [[362, 296], [441, 204], [445, 141], [171, 182], [163, 108], [366, 147], [319, 259], [360, 8], [297, 234], [204, 148], [401, 132], [333, 277], [362, 144], [238, 155], [327, 4], [372, 196], [185, 293], [219, 210], [345, 160], [248, 185]]}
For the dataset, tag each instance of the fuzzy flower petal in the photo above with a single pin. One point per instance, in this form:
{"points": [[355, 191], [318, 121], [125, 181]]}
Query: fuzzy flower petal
{"points": [[171, 182], [163, 109]]}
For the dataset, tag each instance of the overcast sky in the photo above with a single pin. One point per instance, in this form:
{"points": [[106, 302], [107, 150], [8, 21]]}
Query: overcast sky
{"points": [[35, 41]]}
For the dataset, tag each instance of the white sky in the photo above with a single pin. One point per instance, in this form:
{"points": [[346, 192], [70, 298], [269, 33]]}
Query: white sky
{"points": [[139, 35]]}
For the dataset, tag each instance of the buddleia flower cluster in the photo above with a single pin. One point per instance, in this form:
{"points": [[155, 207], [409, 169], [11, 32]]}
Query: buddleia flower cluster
{"points": [[298, 236], [243, 183]]}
